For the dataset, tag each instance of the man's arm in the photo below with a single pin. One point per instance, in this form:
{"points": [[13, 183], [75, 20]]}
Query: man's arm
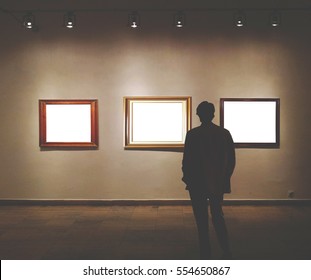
{"points": [[231, 155], [186, 162]]}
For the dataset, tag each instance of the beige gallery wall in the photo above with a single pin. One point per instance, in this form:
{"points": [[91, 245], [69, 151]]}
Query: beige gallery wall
{"points": [[106, 60]]}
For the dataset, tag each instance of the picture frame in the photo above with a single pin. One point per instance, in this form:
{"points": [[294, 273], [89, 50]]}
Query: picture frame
{"points": [[252, 122], [156, 122], [68, 123]]}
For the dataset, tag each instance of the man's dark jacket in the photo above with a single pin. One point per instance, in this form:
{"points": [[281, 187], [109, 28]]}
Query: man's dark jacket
{"points": [[209, 159]]}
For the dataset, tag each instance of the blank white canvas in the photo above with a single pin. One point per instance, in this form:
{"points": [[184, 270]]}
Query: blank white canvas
{"points": [[157, 122], [68, 123], [251, 121]]}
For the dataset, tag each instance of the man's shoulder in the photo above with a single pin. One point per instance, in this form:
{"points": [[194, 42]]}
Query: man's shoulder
{"points": [[213, 128], [195, 131], [220, 129], [204, 128]]}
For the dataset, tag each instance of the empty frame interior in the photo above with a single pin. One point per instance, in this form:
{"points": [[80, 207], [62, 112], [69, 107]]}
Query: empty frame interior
{"points": [[156, 122], [253, 123], [68, 123]]}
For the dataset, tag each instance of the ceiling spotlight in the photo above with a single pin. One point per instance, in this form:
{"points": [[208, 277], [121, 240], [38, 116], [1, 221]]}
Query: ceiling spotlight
{"points": [[29, 21], [134, 20], [179, 20], [275, 19], [69, 20], [240, 19]]}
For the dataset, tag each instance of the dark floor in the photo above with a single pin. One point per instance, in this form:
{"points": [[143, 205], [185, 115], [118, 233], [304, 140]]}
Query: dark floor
{"points": [[149, 232]]}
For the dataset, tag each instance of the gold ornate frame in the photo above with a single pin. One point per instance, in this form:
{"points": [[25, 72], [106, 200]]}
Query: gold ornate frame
{"points": [[156, 122]]}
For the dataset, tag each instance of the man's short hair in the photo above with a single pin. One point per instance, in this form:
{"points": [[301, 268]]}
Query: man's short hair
{"points": [[206, 110]]}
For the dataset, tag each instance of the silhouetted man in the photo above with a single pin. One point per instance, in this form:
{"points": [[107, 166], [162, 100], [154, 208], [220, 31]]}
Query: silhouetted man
{"points": [[208, 163]]}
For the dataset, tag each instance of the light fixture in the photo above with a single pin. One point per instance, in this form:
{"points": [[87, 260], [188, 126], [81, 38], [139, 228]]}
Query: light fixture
{"points": [[134, 20], [239, 19], [275, 19], [29, 21], [179, 20], [69, 20]]}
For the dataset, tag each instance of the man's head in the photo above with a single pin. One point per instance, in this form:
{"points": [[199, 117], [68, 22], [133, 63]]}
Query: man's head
{"points": [[206, 111]]}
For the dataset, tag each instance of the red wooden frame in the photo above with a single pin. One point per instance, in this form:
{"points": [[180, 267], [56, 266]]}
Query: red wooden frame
{"points": [[94, 123]]}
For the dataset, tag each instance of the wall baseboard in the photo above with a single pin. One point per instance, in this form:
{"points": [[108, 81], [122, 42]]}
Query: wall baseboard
{"points": [[151, 202]]}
